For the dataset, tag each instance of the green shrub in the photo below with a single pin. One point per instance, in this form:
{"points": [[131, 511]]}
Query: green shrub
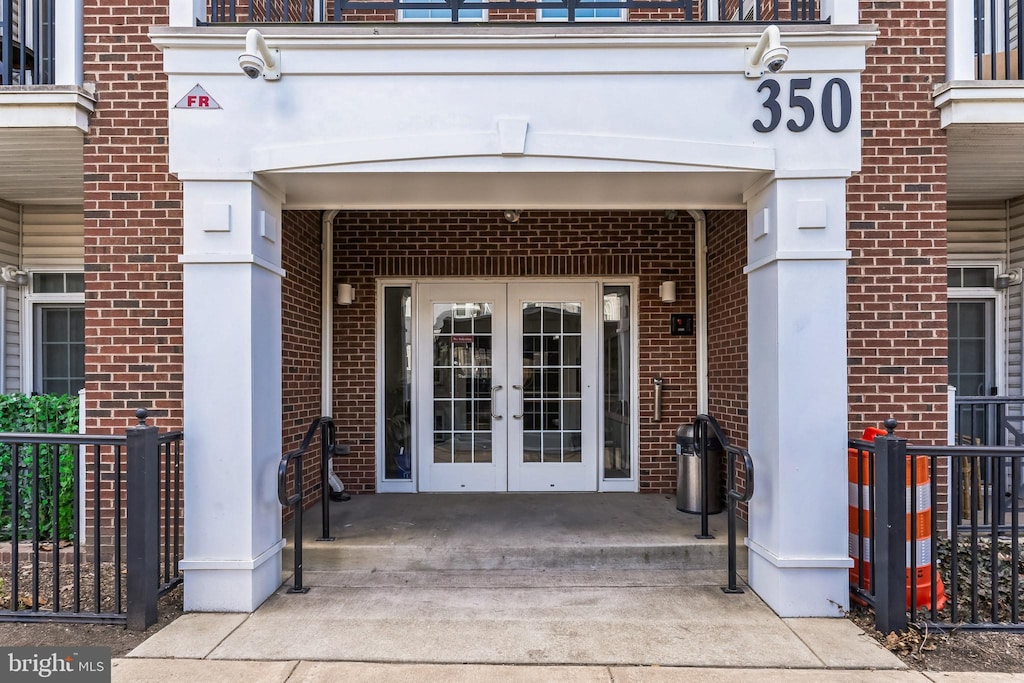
{"points": [[47, 414]]}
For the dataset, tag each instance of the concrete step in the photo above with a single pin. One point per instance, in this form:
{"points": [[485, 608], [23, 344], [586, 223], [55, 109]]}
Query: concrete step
{"points": [[571, 532], [458, 579], [522, 617]]}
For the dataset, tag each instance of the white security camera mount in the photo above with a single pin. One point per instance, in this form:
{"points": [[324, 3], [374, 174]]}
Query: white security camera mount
{"points": [[769, 54], [258, 59]]}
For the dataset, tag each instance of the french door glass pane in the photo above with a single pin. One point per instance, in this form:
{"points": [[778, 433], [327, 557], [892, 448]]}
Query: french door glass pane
{"points": [[462, 382], [551, 381]]}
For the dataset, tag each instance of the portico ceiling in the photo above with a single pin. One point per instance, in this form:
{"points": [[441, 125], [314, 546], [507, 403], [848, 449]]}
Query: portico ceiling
{"points": [[41, 165], [985, 161], [445, 190], [42, 129]]}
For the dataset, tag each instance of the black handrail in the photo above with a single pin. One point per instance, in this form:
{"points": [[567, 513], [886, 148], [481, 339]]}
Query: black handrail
{"points": [[327, 449], [701, 439]]}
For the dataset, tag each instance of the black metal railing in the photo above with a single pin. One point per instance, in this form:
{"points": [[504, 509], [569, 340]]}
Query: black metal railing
{"points": [[964, 573], [989, 420], [997, 31], [90, 523], [27, 42], [737, 490], [295, 499], [305, 11]]}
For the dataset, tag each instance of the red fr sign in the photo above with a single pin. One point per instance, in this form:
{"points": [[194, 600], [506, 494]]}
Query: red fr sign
{"points": [[197, 98]]}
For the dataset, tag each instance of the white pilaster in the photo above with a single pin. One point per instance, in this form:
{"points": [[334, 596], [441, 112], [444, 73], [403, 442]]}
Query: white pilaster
{"points": [[185, 12], [960, 41], [796, 284], [842, 12], [69, 38], [232, 333]]}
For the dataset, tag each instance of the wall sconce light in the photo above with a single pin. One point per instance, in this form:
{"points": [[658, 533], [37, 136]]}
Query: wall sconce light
{"points": [[13, 275], [258, 59], [512, 215], [346, 295], [1009, 279], [667, 291], [671, 214], [769, 54]]}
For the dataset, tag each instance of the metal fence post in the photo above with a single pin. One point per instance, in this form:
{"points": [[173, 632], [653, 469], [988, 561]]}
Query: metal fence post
{"points": [[890, 509], [143, 523]]}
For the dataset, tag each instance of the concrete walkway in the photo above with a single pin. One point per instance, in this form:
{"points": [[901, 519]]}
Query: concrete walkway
{"points": [[513, 588], [173, 671], [511, 626]]}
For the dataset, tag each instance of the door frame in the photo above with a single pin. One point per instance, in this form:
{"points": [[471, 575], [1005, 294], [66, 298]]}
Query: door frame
{"points": [[455, 477], [999, 300], [560, 477], [626, 485]]}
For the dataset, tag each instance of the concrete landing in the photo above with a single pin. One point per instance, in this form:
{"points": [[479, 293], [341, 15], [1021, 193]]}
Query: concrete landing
{"points": [[432, 532]]}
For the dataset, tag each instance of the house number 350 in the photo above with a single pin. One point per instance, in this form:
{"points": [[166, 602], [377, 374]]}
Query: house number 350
{"points": [[835, 121]]}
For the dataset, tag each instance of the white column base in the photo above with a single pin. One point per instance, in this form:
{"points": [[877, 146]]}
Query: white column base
{"points": [[800, 587], [232, 585]]}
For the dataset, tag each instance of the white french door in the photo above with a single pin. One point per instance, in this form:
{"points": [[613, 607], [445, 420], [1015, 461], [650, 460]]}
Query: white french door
{"points": [[507, 387]]}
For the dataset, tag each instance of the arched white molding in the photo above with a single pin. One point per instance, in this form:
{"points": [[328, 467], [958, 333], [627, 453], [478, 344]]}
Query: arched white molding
{"points": [[329, 155]]}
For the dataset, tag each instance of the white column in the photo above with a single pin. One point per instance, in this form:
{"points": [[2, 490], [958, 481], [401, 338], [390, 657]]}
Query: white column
{"points": [[232, 350], [69, 41], [796, 287], [185, 12], [960, 41]]}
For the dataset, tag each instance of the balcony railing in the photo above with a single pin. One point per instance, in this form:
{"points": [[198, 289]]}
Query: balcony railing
{"points": [[474, 11], [997, 30], [27, 42]]}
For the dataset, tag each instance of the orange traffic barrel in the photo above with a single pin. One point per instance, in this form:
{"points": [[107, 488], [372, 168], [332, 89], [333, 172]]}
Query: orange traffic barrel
{"points": [[918, 528]]}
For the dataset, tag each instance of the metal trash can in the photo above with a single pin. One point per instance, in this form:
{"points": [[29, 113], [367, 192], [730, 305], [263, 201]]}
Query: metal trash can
{"points": [[688, 473]]}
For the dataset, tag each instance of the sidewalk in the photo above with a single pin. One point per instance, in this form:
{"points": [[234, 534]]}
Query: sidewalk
{"points": [[514, 626], [172, 671]]}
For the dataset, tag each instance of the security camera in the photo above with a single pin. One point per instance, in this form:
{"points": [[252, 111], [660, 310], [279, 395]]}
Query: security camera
{"points": [[258, 59], [769, 53], [775, 58], [251, 65]]}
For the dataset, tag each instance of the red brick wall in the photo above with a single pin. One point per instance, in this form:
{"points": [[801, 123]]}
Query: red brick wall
{"points": [[727, 322], [727, 328], [465, 243], [132, 224], [897, 228], [132, 236], [301, 333]]}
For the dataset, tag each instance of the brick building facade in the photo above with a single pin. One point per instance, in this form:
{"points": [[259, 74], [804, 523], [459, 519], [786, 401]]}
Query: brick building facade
{"points": [[207, 227]]}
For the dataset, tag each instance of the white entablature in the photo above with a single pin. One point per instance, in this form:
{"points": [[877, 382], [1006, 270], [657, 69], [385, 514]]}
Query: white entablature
{"points": [[388, 101]]}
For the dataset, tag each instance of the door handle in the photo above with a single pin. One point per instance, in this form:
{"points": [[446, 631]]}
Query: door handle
{"points": [[520, 388], [494, 389]]}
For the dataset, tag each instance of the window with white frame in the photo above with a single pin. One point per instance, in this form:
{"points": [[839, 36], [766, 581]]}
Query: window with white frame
{"points": [[57, 314]]}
